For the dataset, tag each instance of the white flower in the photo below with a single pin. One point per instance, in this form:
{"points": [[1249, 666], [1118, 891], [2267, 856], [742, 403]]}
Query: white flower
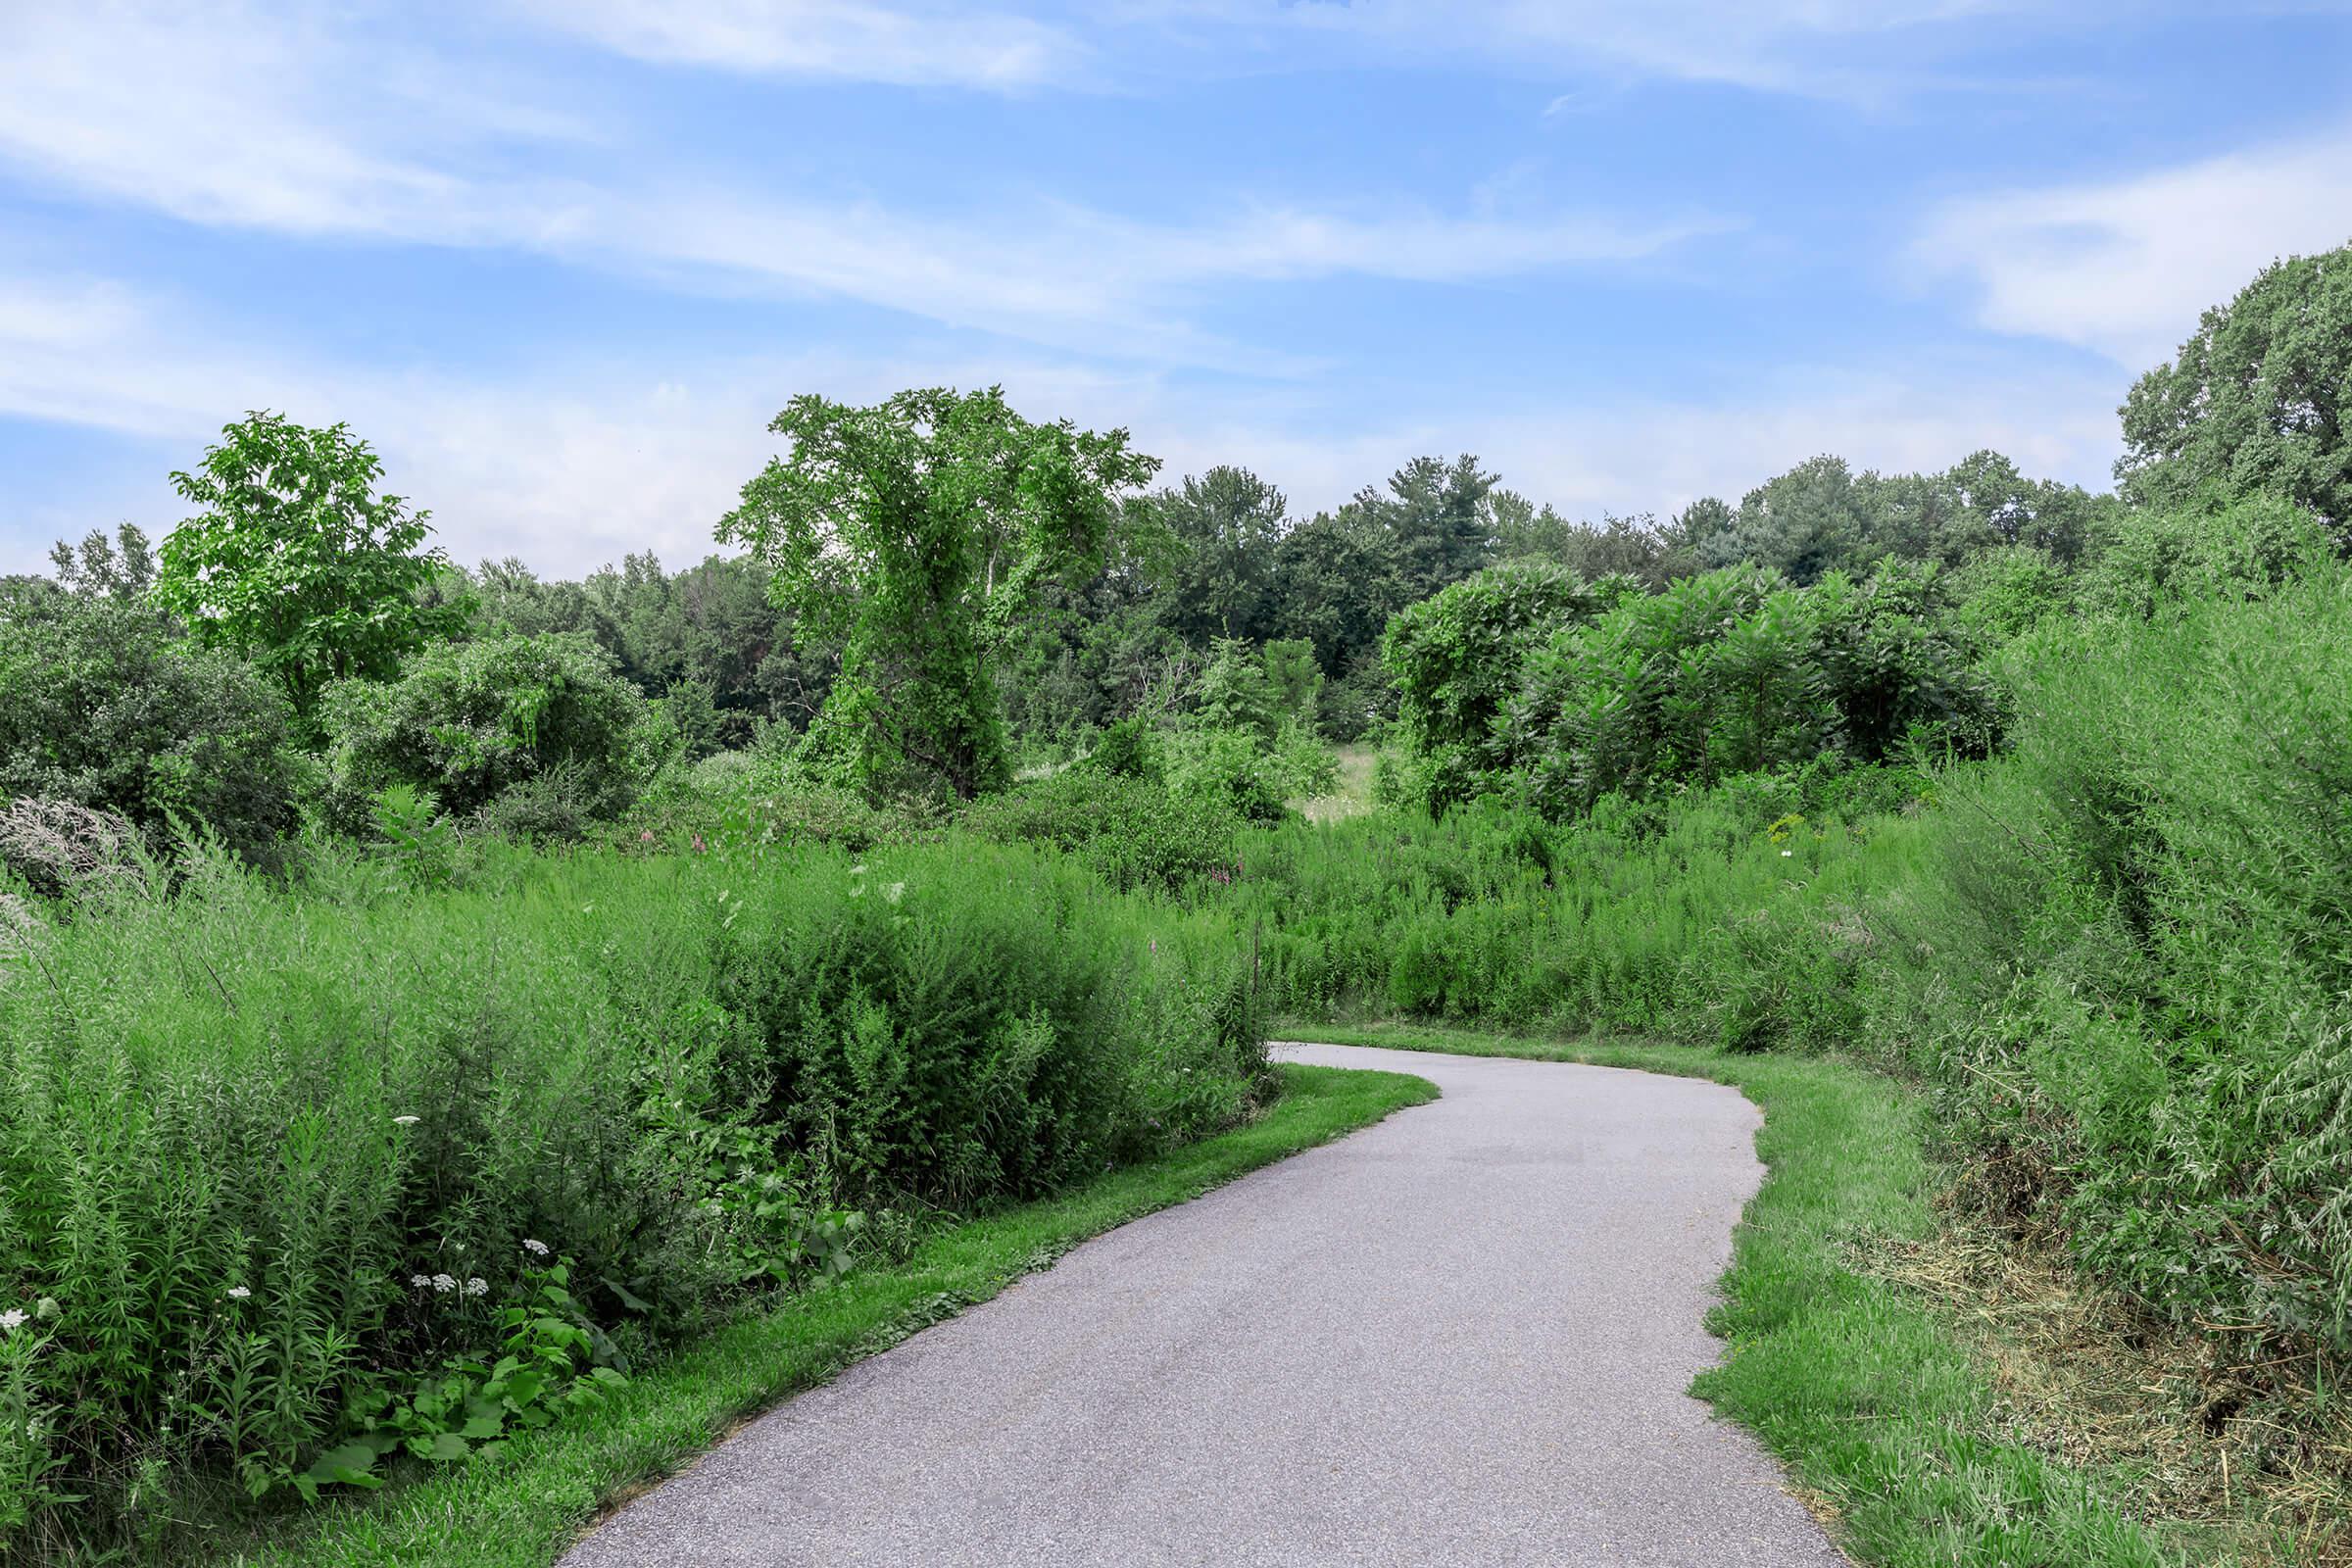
{"points": [[535, 1248], [478, 1286], [405, 1121], [10, 1320], [857, 870], [238, 1293], [420, 1281], [443, 1284], [1785, 853], [894, 891]]}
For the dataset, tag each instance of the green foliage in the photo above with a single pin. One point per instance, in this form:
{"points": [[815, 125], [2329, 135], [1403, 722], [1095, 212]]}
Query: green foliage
{"points": [[1227, 524], [102, 704], [297, 563], [2256, 401], [1131, 832], [257, 1142], [1736, 671], [1235, 693], [919, 530], [1294, 678], [2151, 562], [539, 732], [1456, 658]]}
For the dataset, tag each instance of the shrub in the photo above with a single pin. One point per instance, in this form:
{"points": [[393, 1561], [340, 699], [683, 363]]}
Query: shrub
{"points": [[1132, 833], [102, 705], [546, 720]]}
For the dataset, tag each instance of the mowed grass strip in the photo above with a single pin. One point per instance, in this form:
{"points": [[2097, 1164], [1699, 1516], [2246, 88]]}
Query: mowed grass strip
{"points": [[523, 1510], [1889, 1427]]}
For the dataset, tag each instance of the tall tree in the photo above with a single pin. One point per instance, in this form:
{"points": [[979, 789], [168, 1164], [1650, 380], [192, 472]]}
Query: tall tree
{"points": [[921, 531], [2256, 401], [297, 563], [1436, 515], [1226, 523]]}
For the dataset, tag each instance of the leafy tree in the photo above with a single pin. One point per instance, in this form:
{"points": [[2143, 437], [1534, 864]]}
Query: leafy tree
{"points": [[1457, 657], [1294, 676], [921, 531], [105, 704], [1435, 514], [1235, 694], [1338, 580], [122, 567], [1226, 523], [2257, 400], [297, 563]]}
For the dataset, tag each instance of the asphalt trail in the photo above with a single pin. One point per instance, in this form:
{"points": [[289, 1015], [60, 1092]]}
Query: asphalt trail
{"points": [[1461, 1336]]}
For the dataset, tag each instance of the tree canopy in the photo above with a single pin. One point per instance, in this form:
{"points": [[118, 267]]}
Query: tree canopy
{"points": [[2257, 399], [297, 563]]}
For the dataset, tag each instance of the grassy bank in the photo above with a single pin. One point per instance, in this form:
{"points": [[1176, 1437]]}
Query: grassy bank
{"points": [[1868, 1390], [523, 1512]]}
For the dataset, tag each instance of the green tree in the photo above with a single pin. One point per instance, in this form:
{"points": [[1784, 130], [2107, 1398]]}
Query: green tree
{"points": [[2256, 401], [1436, 516], [297, 563], [921, 531], [1226, 523]]}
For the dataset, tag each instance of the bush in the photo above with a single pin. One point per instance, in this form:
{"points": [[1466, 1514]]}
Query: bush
{"points": [[545, 719], [102, 705], [1132, 833]]}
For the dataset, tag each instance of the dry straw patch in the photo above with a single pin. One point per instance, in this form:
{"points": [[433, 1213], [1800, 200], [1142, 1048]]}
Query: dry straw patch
{"points": [[2210, 1435]]}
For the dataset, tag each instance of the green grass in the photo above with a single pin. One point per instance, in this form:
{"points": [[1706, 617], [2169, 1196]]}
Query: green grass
{"points": [[1871, 1401], [521, 1511]]}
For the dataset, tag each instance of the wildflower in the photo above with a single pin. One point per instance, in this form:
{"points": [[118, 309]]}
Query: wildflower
{"points": [[405, 1121], [645, 837], [894, 891], [10, 1319], [478, 1286], [699, 846], [535, 1248], [443, 1284], [418, 1281], [1785, 853], [857, 870], [238, 1293]]}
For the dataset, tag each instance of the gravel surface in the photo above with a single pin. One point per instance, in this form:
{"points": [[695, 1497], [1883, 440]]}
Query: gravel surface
{"points": [[1461, 1336]]}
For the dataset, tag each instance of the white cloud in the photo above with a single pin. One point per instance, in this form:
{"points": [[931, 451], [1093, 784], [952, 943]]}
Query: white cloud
{"points": [[2125, 266], [296, 125], [572, 466], [904, 45], [1857, 50]]}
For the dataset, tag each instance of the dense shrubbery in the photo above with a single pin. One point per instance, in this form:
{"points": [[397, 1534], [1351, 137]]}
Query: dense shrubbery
{"points": [[1131, 832], [102, 705], [1523, 680], [245, 1130], [539, 734]]}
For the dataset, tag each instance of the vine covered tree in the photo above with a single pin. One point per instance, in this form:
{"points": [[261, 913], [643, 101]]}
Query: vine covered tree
{"points": [[297, 563], [920, 531]]}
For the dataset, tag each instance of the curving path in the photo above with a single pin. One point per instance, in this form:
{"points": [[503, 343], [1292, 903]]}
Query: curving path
{"points": [[1461, 1336]]}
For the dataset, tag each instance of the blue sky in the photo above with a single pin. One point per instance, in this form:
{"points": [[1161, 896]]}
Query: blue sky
{"points": [[561, 259]]}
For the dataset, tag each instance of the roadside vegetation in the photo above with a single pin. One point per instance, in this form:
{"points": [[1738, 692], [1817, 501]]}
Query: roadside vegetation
{"points": [[463, 1038]]}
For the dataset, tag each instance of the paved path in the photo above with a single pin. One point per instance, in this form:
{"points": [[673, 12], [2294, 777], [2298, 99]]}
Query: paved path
{"points": [[1459, 1337]]}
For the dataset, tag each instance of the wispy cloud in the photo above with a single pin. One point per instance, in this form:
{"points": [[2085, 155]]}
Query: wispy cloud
{"points": [[299, 125], [2124, 267], [572, 466], [908, 45]]}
